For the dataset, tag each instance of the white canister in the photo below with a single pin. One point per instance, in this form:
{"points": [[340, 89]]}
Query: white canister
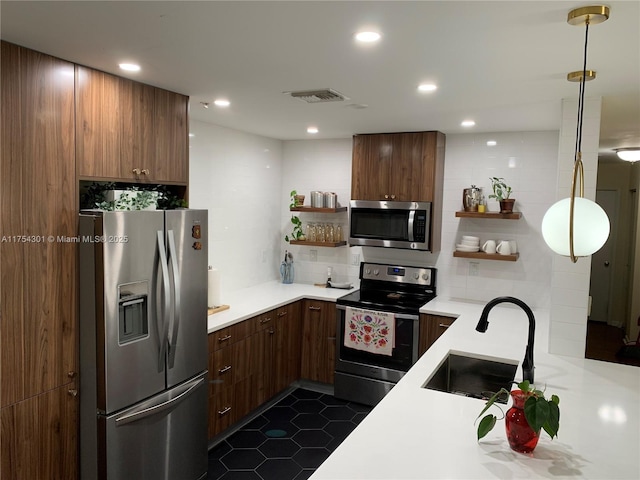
{"points": [[317, 199], [330, 200]]}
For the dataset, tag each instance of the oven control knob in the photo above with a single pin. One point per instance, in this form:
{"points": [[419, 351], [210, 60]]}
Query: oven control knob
{"points": [[416, 276], [367, 271], [376, 272], [426, 276]]}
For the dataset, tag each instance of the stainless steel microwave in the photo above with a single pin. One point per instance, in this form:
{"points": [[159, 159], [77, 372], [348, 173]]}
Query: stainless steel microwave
{"points": [[390, 224]]}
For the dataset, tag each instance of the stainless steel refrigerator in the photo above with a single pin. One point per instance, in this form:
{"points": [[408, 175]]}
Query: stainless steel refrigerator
{"points": [[143, 345]]}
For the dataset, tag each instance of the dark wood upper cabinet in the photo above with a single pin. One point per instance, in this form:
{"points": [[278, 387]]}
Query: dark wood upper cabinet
{"points": [[129, 131], [397, 166]]}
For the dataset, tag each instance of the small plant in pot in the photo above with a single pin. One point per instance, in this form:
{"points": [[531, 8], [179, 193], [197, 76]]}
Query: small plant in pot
{"points": [[296, 200], [530, 413], [502, 192]]}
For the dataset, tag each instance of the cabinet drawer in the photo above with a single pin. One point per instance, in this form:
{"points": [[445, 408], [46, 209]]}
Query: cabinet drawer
{"points": [[230, 335], [265, 320], [221, 411], [221, 369]]}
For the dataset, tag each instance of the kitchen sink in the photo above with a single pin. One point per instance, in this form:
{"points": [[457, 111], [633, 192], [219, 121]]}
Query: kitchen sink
{"points": [[463, 374]]}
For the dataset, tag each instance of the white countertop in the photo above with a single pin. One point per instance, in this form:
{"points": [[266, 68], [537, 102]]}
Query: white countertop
{"points": [[252, 301], [416, 433]]}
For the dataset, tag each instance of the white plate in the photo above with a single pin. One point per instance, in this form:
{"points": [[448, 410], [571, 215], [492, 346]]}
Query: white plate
{"points": [[466, 248], [341, 285]]}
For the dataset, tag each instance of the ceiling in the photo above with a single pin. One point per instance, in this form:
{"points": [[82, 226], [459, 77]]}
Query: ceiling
{"points": [[502, 63]]}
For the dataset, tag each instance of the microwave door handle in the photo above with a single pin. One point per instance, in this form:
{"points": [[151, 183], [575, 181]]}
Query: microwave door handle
{"points": [[162, 311], [173, 257], [412, 214]]}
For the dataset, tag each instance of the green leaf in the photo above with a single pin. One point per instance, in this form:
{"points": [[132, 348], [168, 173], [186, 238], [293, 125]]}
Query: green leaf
{"points": [[552, 425], [486, 425], [524, 385], [555, 399], [536, 411]]}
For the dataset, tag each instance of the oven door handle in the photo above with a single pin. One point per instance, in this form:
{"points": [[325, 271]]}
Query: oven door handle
{"points": [[399, 316]]}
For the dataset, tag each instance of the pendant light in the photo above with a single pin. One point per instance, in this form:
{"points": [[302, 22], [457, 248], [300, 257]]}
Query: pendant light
{"points": [[576, 226]]}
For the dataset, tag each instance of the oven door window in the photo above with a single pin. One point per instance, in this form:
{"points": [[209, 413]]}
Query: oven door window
{"points": [[380, 224], [402, 357]]}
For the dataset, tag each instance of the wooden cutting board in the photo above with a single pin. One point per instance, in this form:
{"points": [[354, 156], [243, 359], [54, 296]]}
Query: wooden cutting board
{"points": [[211, 311]]}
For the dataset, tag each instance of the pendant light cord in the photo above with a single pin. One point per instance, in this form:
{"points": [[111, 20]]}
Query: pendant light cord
{"points": [[581, 94]]}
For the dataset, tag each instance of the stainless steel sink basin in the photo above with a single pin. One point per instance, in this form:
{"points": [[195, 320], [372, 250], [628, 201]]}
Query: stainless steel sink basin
{"points": [[463, 374]]}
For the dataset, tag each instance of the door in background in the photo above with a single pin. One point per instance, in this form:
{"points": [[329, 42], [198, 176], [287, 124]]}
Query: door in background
{"points": [[602, 266]]}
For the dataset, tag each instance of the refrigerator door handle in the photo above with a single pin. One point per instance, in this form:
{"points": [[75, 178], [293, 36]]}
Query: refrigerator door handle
{"points": [[163, 311], [146, 410], [173, 256]]}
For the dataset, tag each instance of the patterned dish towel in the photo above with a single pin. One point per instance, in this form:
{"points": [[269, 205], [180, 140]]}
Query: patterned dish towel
{"points": [[370, 331]]}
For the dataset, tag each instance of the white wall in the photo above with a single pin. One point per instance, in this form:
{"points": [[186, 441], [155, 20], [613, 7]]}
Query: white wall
{"points": [[527, 160], [237, 176]]}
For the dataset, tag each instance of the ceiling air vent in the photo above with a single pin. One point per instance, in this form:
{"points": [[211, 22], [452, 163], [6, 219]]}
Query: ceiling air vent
{"points": [[318, 96]]}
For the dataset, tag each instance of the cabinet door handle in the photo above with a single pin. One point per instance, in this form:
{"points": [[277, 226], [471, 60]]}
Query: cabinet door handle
{"points": [[331, 338], [136, 171], [145, 171], [392, 196], [444, 325], [224, 339], [315, 308], [224, 411], [280, 314], [386, 196], [272, 331], [71, 374], [73, 392], [224, 369], [265, 320]]}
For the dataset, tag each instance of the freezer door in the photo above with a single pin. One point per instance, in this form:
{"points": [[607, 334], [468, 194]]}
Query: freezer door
{"points": [[163, 438], [186, 238], [130, 359]]}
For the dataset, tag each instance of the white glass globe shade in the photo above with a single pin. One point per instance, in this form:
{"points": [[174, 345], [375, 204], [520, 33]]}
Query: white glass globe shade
{"points": [[590, 227]]}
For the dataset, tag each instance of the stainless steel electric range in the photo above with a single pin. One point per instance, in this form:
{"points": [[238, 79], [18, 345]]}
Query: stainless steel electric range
{"points": [[364, 375]]}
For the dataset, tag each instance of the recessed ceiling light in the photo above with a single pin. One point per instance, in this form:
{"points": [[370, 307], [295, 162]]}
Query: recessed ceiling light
{"points": [[367, 37], [129, 67], [312, 130], [221, 102], [491, 143], [468, 123], [427, 87]]}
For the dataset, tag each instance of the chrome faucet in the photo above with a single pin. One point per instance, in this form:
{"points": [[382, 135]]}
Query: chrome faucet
{"points": [[483, 323]]}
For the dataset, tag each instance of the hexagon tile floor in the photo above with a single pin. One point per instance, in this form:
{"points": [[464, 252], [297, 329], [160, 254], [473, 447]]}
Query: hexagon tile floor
{"points": [[288, 441]]}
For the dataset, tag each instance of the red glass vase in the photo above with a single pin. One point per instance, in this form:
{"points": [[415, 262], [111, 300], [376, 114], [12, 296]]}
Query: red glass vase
{"points": [[522, 438]]}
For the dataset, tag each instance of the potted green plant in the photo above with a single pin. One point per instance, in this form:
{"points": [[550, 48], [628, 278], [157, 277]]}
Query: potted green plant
{"points": [[529, 413], [502, 193], [297, 233], [296, 200]]}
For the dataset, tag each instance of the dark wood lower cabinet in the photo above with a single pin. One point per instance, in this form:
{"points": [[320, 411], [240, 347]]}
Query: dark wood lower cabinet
{"points": [[318, 341], [39, 436], [431, 327], [260, 359]]}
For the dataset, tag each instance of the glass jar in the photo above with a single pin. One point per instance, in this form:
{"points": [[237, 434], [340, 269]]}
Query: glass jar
{"points": [[330, 232], [339, 236], [320, 233], [311, 232]]}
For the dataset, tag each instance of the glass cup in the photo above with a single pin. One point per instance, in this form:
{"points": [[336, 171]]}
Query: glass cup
{"points": [[330, 232], [320, 233], [339, 236], [311, 232]]}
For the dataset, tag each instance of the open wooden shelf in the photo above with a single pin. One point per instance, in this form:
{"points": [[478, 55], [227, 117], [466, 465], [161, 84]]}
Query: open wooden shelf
{"points": [[503, 216], [318, 209], [317, 244], [486, 256]]}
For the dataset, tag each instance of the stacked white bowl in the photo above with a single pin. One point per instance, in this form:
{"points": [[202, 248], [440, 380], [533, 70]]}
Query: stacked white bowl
{"points": [[468, 244]]}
